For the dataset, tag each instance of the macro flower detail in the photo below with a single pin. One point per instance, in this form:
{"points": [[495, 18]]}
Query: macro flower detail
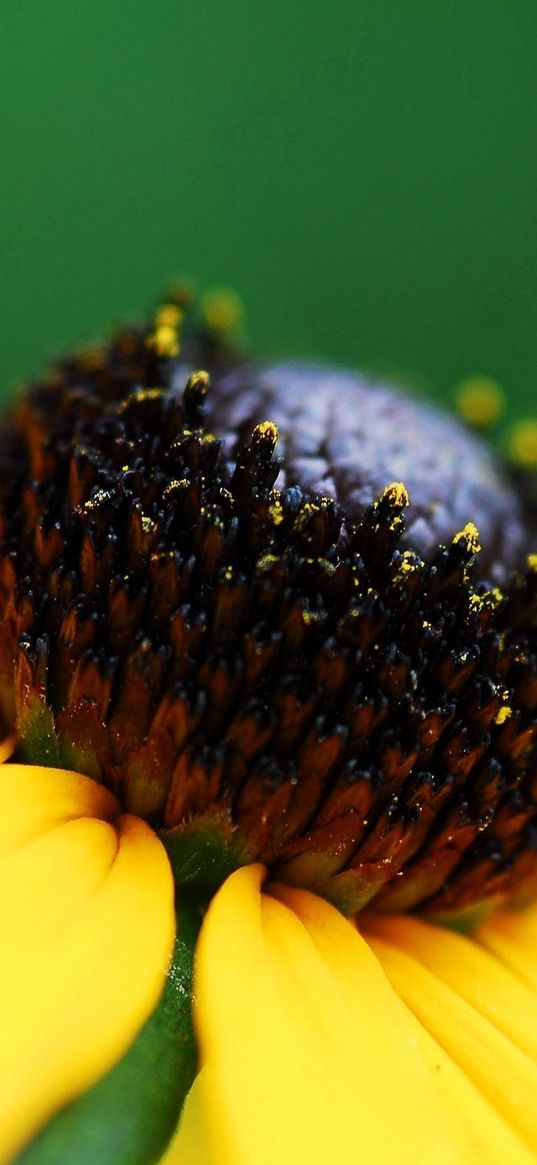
{"points": [[267, 648], [71, 948]]}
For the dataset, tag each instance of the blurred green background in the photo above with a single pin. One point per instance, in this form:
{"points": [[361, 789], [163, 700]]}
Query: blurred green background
{"points": [[363, 172]]}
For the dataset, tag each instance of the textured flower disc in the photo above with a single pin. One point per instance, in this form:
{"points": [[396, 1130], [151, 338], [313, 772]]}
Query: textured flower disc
{"points": [[346, 437], [222, 637]]}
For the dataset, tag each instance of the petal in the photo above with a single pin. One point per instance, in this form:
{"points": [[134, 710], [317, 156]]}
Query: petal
{"points": [[435, 974], [307, 1052], [470, 971], [7, 747], [190, 1146], [86, 916], [512, 936]]}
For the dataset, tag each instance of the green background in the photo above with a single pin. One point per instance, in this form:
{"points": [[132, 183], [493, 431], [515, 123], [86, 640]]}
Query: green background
{"points": [[363, 172]]}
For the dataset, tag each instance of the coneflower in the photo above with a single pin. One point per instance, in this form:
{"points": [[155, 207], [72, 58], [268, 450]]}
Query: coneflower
{"points": [[265, 630], [224, 617]]}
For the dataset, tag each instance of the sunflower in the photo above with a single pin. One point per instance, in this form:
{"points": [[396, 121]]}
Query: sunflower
{"points": [[268, 824]]}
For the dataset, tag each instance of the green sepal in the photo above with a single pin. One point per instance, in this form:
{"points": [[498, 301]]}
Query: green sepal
{"points": [[129, 1117], [467, 920], [37, 743], [349, 891], [204, 852]]}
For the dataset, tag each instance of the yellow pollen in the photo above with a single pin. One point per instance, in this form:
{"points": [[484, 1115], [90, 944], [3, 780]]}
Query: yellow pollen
{"points": [[504, 714], [268, 429], [169, 315], [267, 562], [397, 494], [142, 394], [480, 400], [310, 617], [523, 443], [490, 599], [532, 562], [408, 566], [408, 563], [199, 382], [164, 340], [276, 513], [470, 535]]}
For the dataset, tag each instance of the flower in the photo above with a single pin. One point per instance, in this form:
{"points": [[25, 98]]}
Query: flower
{"points": [[295, 700]]}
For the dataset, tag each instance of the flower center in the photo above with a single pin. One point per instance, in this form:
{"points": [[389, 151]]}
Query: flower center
{"points": [[276, 659]]}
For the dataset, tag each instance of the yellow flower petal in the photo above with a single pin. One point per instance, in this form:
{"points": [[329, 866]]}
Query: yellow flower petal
{"points": [[34, 800], [504, 1074], [308, 1055], [512, 936], [6, 748], [190, 1145], [87, 924], [471, 971], [489, 1138], [476, 1127]]}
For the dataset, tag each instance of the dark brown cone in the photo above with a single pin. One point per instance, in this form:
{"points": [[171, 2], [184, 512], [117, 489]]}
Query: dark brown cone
{"points": [[215, 647]]}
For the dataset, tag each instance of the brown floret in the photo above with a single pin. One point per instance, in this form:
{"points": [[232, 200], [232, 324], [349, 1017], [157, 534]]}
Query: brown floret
{"points": [[219, 638]]}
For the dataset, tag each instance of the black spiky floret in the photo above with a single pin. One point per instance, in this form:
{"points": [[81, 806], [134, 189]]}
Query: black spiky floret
{"points": [[233, 625]]}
